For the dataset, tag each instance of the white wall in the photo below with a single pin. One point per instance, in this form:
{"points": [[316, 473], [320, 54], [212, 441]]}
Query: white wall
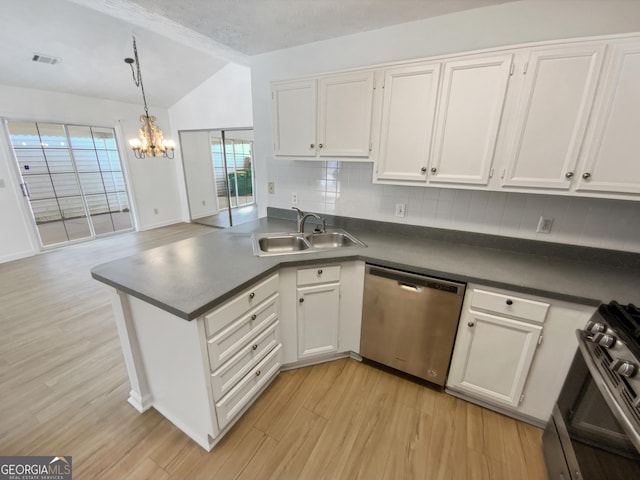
{"points": [[153, 181], [346, 189], [223, 101]]}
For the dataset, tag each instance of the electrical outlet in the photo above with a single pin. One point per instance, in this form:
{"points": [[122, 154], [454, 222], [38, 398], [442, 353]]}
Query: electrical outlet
{"points": [[294, 198], [155, 211], [544, 225], [271, 186], [401, 209]]}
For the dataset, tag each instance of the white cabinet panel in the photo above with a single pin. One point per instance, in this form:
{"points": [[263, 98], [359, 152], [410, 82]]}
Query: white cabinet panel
{"points": [[294, 118], [323, 117], [318, 319], [552, 115], [408, 112], [344, 108], [492, 357], [612, 154], [469, 114]]}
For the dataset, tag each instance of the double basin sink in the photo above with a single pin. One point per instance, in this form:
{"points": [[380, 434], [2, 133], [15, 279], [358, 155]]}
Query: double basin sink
{"points": [[265, 244]]}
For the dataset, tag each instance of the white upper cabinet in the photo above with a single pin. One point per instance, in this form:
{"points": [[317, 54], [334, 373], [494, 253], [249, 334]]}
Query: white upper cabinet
{"points": [[325, 117], [551, 115], [344, 107], [469, 113], [611, 160], [294, 118], [408, 113]]}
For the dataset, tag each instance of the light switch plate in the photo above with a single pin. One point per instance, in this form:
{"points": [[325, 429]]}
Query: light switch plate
{"points": [[401, 209]]}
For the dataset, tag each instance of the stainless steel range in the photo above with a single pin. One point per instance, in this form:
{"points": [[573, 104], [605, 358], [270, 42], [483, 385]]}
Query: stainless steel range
{"points": [[594, 431]]}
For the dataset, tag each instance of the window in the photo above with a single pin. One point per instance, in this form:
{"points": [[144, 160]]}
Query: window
{"points": [[73, 178]]}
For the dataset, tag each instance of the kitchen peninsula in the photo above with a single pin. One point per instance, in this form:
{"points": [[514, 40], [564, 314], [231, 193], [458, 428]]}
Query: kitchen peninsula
{"points": [[205, 325]]}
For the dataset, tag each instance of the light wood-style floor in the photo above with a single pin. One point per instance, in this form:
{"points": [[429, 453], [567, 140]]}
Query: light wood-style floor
{"points": [[64, 390]]}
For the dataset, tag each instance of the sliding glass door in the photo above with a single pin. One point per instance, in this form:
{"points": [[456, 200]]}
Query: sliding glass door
{"points": [[219, 175], [72, 177]]}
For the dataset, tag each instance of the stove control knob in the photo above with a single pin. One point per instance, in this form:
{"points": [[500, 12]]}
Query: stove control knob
{"points": [[624, 368], [604, 340], [594, 327]]}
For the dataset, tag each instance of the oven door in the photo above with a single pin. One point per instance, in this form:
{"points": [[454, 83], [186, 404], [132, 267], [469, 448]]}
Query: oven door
{"points": [[595, 446]]}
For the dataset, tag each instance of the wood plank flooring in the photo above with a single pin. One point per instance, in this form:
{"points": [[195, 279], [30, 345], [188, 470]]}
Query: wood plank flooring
{"points": [[64, 391]]}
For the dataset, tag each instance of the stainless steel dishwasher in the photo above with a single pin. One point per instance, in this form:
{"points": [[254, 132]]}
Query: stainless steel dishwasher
{"points": [[409, 321]]}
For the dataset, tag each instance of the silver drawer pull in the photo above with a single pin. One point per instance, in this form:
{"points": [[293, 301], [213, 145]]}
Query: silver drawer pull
{"points": [[255, 347], [320, 271], [252, 296], [258, 373], [509, 301], [471, 324], [254, 316]]}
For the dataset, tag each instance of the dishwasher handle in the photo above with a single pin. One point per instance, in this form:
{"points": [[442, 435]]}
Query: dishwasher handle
{"points": [[415, 282]]}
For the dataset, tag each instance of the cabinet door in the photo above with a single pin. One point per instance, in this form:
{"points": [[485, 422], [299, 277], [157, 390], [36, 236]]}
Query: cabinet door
{"points": [[318, 319], [294, 118], [344, 125], [492, 357], [408, 111], [612, 153], [552, 115], [471, 101]]}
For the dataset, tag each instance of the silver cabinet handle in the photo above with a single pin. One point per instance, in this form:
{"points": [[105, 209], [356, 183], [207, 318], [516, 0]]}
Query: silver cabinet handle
{"points": [[252, 296], [568, 174], [320, 271], [312, 146], [301, 300], [586, 175], [423, 170], [254, 316], [258, 373], [434, 170], [509, 301], [471, 324], [25, 190], [320, 145], [254, 347]]}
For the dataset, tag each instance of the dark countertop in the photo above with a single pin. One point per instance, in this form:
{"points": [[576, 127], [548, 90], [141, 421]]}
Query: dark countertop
{"points": [[190, 277]]}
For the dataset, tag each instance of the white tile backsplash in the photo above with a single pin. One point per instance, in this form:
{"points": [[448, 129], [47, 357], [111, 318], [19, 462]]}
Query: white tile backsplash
{"points": [[346, 189]]}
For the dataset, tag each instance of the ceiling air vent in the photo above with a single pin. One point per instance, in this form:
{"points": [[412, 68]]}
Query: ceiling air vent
{"points": [[38, 57]]}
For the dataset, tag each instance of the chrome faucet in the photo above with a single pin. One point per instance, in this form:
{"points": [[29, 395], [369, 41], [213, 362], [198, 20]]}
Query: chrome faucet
{"points": [[302, 218]]}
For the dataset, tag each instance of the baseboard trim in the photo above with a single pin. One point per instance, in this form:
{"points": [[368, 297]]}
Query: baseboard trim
{"points": [[536, 422]]}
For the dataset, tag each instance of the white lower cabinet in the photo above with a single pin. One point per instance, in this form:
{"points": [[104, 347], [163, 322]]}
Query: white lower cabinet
{"points": [[513, 351], [321, 311], [493, 357], [318, 319], [243, 345]]}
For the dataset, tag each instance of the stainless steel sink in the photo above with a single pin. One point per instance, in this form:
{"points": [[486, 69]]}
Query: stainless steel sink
{"points": [[333, 240], [282, 244], [268, 244]]}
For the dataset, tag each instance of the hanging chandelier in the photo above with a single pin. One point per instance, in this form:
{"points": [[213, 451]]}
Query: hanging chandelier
{"points": [[150, 141]]}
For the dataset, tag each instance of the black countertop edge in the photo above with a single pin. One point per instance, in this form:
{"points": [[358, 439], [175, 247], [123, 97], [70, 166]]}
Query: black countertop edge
{"points": [[601, 256]]}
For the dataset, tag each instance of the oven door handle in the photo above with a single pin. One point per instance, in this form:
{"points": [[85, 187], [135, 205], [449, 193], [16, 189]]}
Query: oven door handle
{"points": [[617, 410]]}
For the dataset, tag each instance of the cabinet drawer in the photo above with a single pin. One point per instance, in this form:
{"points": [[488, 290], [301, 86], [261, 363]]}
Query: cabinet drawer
{"points": [[250, 298], [509, 305], [311, 276], [235, 336], [242, 362], [245, 390]]}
